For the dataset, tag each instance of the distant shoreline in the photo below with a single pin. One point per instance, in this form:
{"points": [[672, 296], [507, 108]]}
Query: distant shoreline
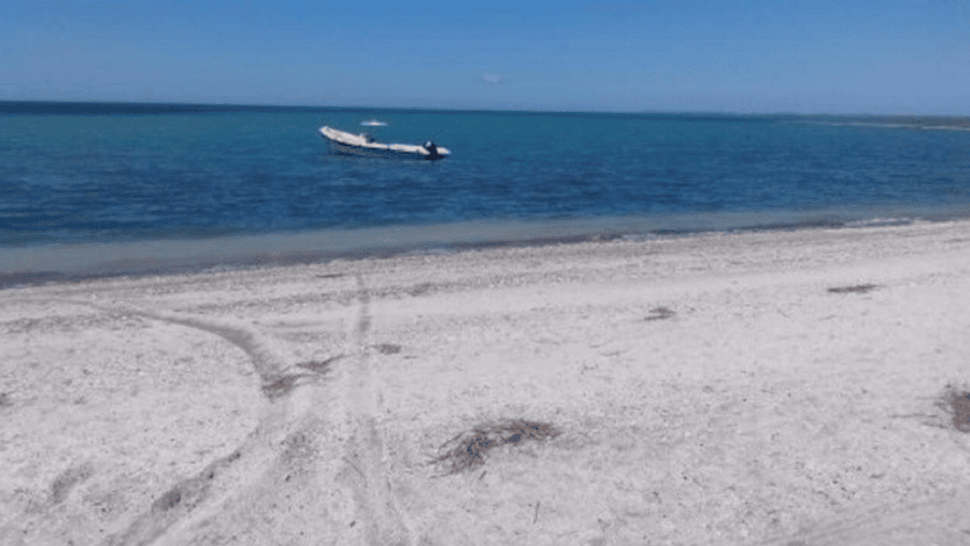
{"points": [[903, 122]]}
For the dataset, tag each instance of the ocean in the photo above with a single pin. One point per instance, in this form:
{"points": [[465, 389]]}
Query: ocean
{"points": [[91, 189]]}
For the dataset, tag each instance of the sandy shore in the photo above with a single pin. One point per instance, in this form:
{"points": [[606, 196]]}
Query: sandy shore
{"points": [[703, 390]]}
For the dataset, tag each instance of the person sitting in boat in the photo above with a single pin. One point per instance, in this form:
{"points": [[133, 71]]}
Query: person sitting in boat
{"points": [[432, 149]]}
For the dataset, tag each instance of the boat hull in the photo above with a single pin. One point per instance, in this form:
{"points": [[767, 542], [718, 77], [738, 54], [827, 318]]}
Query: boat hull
{"points": [[339, 148], [343, 143]]}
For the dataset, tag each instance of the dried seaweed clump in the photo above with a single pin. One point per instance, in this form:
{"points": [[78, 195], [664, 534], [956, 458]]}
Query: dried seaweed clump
{"points": [[63, 484], [958, 405], [388, 348], [320, 366], [857, 289], [467, 450], [660, 313], [282, 385]]}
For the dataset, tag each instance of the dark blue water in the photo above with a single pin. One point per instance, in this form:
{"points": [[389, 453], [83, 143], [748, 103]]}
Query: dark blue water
{"points": [[136, 177]]}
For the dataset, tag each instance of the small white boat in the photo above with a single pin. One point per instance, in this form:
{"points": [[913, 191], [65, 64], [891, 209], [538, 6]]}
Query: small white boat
{"points": [[344, 143], [373, 123]]}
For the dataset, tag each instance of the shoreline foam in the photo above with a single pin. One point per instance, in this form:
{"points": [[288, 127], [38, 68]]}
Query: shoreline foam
{"points": [[38, 264]]}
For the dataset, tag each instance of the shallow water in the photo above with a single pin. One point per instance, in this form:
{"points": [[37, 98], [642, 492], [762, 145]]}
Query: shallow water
{"points": [[102, 189]]}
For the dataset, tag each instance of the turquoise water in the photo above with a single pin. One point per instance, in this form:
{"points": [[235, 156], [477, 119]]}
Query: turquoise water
{"points": [[105, 189]]}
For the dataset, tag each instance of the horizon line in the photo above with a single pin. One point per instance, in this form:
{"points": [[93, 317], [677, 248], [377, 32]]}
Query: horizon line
{"points": [[245, 106]]}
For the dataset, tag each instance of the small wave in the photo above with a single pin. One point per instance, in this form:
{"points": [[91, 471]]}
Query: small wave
{"points": [[882, 222], [944, 128]]}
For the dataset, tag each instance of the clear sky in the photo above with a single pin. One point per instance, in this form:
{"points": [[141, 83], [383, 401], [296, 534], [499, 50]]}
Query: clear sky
{"points": [[803, 56]]}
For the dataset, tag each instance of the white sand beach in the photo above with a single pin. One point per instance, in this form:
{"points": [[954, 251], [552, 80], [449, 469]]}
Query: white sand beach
{"points": [[779, 388]]}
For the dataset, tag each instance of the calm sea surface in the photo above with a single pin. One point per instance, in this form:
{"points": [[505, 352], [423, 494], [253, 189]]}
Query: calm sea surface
{"points": [[106, 189]]}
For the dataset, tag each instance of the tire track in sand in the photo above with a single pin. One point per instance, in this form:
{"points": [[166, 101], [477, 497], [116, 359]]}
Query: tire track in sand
{"points": [[943, 521], [199, 497], [380, 520], [377, 508]]}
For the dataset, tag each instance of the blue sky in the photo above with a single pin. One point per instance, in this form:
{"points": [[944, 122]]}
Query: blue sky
{"points": [[820, 56]]}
